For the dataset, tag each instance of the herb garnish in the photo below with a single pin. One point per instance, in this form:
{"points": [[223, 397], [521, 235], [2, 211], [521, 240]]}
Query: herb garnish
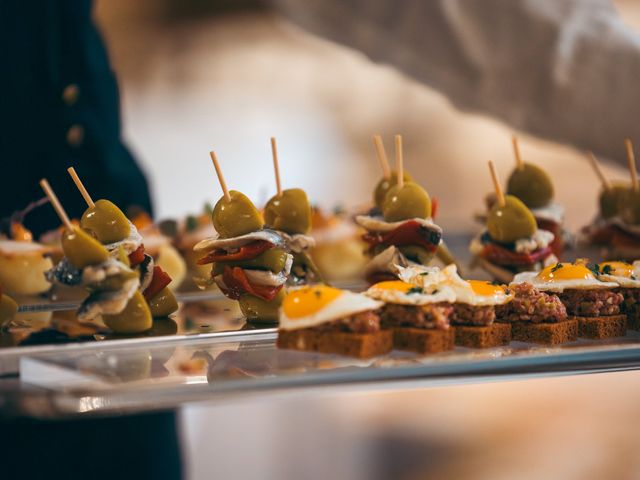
{"points": [[413, 290], [607, 269], [556, 267]]}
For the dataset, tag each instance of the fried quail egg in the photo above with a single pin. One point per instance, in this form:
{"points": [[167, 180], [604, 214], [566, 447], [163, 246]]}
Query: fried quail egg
{"points": [[404, 293], [563, 276], [314, 305], [626, 275], [475, 292]]}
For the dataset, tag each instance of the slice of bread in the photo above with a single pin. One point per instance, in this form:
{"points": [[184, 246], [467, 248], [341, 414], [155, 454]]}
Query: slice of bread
{"points": [[545, 333], [602, 327], [360, 345], [483, 337], [421, 340]]}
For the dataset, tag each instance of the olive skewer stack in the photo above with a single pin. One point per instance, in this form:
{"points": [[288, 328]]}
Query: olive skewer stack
{"points": [[288, 212], [112, 284], [400, 230], [512, 241], [250, 264], [110, 226]]}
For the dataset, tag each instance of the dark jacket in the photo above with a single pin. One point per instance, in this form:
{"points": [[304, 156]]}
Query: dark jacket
{"points": [[59, 106]]}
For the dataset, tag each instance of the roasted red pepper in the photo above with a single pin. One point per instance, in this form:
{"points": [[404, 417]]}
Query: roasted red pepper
{"points": [[409, 233], [246, 252], [137, 257], [238, 284], [434, 207], [159, 280], [499, 255]]}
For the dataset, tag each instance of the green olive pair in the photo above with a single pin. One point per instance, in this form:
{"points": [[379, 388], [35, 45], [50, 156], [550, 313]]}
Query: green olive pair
{"points": [[289, 212], [404, 202]]}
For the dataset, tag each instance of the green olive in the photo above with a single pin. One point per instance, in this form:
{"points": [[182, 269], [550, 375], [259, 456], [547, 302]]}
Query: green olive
{"points": [[106, 222], [416, 254], [511, 222], [532, 185], [273, 259], [236, 217], [410, 201], [83, 250], [122, 256], [163, 304], [290, 212], [135, 318], [630, 210], [385, 184], [8, 309], [612, 199], [257, 309]]}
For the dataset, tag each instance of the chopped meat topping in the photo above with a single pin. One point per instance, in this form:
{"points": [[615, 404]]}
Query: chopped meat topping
{"points": [[433, 315], [592, 303], [464, 314], [363, 322], [531, 305]]}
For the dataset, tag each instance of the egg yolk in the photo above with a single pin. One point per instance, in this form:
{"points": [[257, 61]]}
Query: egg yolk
{"points": [[396, 285], [309, 300], [485, 289], [619, 269], [565, 271]]}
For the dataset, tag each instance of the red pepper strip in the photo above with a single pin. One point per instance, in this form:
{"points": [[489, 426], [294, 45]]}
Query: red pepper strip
{"points": [[246, 252], [159, 280], [238, 284], [557, 246], [434, 207], [501, 256], [137, 257], [409, 233]]}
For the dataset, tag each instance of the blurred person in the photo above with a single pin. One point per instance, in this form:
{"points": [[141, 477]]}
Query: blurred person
{"points": [[564, 70], [60, 108]]}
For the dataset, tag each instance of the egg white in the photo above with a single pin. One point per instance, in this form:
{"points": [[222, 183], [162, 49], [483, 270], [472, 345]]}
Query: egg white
{"points": [[464, 292], [559, 286], [625, 282], [397, 297], [346, 304]]}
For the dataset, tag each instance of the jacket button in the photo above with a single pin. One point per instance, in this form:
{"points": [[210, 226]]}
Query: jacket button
{"points": [[75, 135], [70, 94]]}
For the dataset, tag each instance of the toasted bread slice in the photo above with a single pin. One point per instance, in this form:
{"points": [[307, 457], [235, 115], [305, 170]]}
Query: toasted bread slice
{"points": [[483, 337], [422, 340], [360, 345], [602, 327], [545, 333]]}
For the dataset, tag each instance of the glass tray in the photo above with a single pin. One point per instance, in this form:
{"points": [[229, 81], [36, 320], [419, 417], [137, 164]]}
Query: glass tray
{"points": [[167, 372]]}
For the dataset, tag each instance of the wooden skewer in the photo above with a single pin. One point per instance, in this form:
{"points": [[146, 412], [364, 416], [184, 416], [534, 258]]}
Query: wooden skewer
{"points": [[382, 156], [631, 160], [276, 165], [399, 165], [223, 184], [496, 184], [80, 185], [596, 167], [516, 151], [56, 204]]}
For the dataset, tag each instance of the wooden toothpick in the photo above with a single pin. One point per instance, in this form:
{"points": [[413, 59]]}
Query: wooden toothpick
{"points": [[64, 218], [631, 160], [399, 163], [80, 185], [382, 156], [276, 165], [606, 184], [223, 184], [516, 152], [496, 184]]}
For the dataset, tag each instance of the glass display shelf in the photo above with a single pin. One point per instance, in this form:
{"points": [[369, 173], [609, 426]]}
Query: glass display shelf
{"points": [[167, 372]]}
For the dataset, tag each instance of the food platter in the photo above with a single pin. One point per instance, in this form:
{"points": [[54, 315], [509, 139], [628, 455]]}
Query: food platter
{"points": [[165, 372]]}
